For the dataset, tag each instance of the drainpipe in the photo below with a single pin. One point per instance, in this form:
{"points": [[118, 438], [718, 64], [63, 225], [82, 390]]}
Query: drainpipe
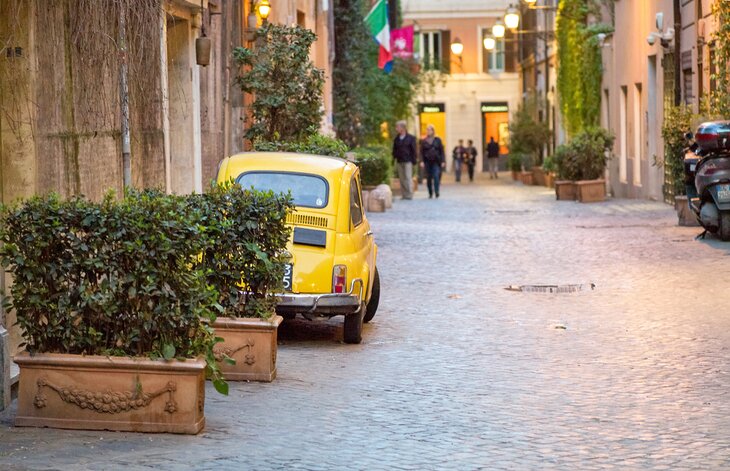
{"points": [[677, 52], [124, 98]]}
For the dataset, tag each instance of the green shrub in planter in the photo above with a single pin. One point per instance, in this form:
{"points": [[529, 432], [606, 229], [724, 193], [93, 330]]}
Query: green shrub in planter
{"points": [[585, 156], [246, 250], [375, 165], [514, 161], [548, 164], [113, 278], [317, 144]]}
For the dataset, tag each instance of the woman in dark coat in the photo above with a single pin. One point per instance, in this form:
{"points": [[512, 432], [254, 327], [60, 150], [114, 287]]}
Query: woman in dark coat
{"points": [[433, 160]]}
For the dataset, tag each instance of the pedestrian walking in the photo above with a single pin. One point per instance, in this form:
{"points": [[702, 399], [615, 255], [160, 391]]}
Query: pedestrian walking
{"points": [[433, 160], [405, 155], [470, 157], [458, 155], [492, 157]]}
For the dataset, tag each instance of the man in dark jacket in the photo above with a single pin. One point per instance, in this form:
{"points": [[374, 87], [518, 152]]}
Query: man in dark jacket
{"points": [[404, 153], [492, 157]]}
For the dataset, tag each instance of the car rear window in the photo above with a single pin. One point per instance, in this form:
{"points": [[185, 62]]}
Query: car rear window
{"points": [[307, 190]]}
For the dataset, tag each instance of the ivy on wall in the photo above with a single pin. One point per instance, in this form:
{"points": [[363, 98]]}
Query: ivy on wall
{"points": [[580, 67], [720, 98]]}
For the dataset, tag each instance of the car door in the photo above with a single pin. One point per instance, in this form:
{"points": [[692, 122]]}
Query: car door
{"points": [[362, 236]]}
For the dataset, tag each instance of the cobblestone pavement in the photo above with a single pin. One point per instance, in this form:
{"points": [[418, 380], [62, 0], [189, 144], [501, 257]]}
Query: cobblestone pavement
{"points": [[455, 372]]}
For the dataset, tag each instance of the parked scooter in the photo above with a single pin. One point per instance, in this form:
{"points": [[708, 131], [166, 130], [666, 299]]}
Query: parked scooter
{"points": [[707, 177]]}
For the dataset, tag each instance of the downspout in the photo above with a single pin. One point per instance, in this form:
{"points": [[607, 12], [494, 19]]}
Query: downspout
{"points": [[677, 52]]}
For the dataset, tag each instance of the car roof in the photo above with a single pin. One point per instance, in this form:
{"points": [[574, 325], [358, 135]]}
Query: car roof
{"points": [[287, 161]]}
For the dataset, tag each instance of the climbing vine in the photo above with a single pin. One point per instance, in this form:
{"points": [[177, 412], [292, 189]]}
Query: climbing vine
{"points": [[720, 98], [579, 64]]}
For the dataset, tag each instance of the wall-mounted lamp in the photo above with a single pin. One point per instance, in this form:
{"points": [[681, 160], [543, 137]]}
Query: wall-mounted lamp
{"points": [[264, 8], [498, 29], [530, 2], [457, 47], [512, 18], [489, 43]]}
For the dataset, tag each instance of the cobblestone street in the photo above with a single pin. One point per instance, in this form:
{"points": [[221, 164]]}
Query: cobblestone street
{"points": [[456, 372]]}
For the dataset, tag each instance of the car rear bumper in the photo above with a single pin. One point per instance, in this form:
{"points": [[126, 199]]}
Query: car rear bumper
{"points": [[328, 303]]}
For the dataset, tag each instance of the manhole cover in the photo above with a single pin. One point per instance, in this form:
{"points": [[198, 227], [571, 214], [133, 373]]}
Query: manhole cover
{"points": [[552, 288]]}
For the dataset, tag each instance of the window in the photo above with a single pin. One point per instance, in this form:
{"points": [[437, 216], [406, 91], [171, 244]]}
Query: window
{"points": [[502, 57], [355, 203], [309, 191], [623, 131], [429, 50], [687, 82]]}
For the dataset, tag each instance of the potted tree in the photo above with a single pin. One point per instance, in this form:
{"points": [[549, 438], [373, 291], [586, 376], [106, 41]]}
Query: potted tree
{"points": [[567, 173], [112, 310], [526, 175], [677, 123], [245, 261], [528, 136]]}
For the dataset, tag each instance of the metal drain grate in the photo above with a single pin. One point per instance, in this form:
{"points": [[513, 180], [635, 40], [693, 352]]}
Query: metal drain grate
{"points": [[552, 288]]}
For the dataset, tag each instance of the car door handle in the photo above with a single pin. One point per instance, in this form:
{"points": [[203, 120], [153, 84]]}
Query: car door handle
{"points": [[369, 233]]}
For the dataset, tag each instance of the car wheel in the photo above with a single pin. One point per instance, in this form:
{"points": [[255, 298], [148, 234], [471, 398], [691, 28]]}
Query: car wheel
{"points": [[724, 230], [352, 332], [374, 299]]}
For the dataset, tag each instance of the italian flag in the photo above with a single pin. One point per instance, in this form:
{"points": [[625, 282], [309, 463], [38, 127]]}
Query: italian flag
{"points": [[377, 21]]}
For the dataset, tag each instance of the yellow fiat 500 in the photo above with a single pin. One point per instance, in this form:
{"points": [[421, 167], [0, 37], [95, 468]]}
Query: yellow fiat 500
{"points": [[332, 268]]}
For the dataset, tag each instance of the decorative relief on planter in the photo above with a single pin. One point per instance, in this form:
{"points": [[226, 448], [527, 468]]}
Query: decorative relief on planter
{"points": [[221, 352], [109, 402]]}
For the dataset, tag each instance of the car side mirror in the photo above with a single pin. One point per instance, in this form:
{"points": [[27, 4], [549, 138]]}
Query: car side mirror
{"points": [[689, 136]]}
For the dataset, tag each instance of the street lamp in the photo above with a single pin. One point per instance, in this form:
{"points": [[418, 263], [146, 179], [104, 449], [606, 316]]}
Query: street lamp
{"points": [[512, 18], [457, 47], [530, 3], [264, 8], [498, 29], [489, 43]]}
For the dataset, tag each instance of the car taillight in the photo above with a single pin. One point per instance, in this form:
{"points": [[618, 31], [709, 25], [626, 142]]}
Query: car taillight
{"points": [[339, 279]]}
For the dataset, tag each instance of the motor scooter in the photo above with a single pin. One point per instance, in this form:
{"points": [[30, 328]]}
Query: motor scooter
{"points": [[707, 177]]}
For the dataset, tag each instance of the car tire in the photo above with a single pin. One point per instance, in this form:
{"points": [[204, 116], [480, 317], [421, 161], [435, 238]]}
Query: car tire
{"points": [[352, 332], [374, 299], [724, 229]]}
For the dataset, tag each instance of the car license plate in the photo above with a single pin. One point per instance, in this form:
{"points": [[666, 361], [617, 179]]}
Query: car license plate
{"points": [[692, 167], [723, 193], [288, 276]]}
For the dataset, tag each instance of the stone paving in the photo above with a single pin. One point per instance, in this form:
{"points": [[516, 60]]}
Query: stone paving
{"points": [[455, 372]]}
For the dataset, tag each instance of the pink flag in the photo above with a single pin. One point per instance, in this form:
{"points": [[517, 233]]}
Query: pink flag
{"points": [[401, 42]]}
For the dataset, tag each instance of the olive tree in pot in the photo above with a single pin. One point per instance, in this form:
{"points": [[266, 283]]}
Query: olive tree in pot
{"points": [[528, 136], [245, 261], [113, 312]]}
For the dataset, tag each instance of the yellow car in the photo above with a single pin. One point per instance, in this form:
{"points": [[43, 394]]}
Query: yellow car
{"points": [[332, 270]]}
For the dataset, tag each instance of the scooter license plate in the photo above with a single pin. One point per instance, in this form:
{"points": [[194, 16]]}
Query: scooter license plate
{"points": [[723, 193]]}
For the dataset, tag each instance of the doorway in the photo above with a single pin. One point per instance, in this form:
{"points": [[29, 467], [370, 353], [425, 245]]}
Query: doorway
{"points": [[495, 123]]}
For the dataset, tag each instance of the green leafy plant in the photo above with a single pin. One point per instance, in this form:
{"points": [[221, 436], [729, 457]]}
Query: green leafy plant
{"points": [[245, 254], [111, 278], [585, 156], [286, 86], [678, 121], [579, 64], [719, 100], [548, 164], [317, 144], [375, 164], [527, 136], [514, 161]]}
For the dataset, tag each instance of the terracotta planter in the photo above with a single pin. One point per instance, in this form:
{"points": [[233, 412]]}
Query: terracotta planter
{"points": [[515, 175], [591, 191], [549, 180], [538, 176], [526, 178], [111, 393], [565, 190], [685, 216], [252, 343]]}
